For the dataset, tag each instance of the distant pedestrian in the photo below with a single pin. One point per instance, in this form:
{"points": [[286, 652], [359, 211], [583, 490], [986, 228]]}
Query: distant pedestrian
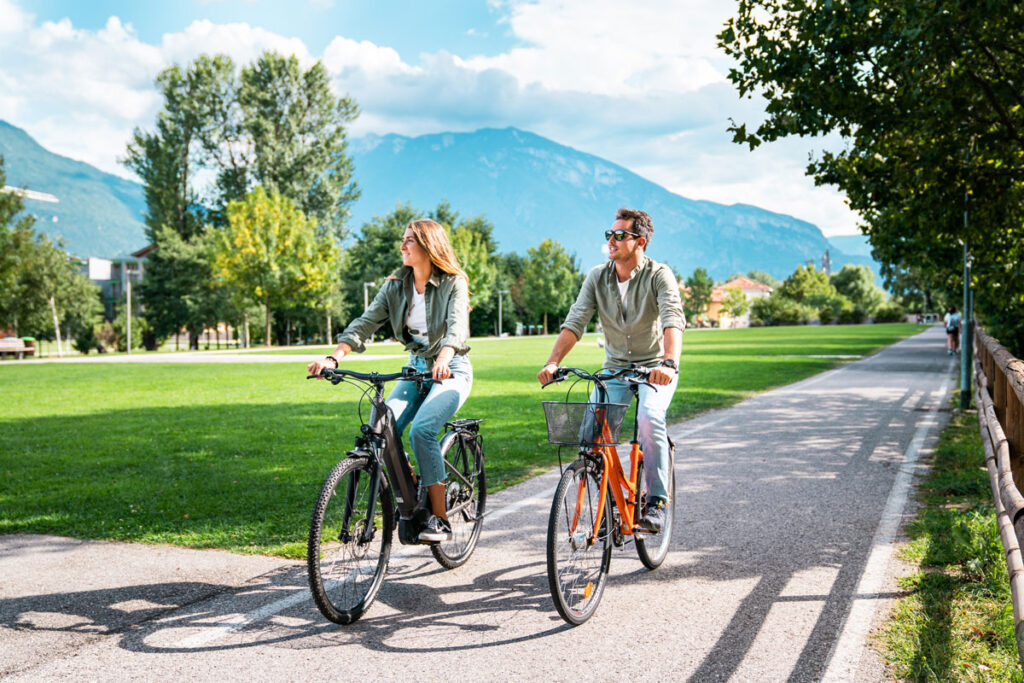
{"points": [[952, 320]]}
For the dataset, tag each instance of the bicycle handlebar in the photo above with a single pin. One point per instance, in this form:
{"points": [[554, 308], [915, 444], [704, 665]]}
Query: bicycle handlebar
{"points": [[335, 375], [639, 375]]}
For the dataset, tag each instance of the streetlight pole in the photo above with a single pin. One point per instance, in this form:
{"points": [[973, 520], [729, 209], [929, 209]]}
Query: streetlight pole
{"points": [[500, 292], [366, 294]]}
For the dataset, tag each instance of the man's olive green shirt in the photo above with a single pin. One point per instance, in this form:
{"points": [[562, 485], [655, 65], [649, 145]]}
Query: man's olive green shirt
{"points": [[632, 334], [447, 302]]}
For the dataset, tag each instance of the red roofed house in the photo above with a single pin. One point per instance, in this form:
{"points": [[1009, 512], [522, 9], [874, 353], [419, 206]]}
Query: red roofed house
{"points": [[752, 290]]}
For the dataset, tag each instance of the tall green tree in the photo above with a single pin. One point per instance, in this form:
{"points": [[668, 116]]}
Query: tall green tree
{"points": [[807, 286], [698, 293], [220, 132], [296, 127], [550, 278], [269, 251], [928, 101], [857, 283], [181, 288]]}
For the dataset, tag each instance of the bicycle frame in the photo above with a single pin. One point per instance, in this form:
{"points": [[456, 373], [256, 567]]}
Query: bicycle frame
{"points": [[612, 473]]}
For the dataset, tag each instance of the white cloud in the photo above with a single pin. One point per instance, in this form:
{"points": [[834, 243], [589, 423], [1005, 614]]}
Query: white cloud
{"points": [[12, 18], [641, 85]]}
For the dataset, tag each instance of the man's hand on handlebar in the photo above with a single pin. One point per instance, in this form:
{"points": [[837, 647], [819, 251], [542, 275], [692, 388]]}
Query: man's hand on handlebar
{"points": [[661, 375], [547, 373]]}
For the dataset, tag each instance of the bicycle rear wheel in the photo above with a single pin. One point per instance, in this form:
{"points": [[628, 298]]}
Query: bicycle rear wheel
{"points": [[465, 495], [348, 550], [578, 562], [653, 548]]}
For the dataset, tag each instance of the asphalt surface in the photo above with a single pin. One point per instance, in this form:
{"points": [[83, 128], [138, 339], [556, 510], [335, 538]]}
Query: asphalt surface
{"points": [[780, 565]]}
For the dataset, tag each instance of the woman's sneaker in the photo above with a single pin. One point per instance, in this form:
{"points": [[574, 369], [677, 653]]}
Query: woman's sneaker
{"points": [[436, 531]]}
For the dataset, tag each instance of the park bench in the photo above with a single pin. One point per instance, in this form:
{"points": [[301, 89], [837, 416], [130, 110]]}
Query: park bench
{"points": [[13, 345]]}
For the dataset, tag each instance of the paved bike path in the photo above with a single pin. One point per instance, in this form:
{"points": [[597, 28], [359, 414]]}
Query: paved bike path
{"points": [[778, 562]]}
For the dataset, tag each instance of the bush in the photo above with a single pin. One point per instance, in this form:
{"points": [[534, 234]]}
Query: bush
{"points": [[86, 340], [778, 310], [832, 308], [890, 312], [106, 337], [852, 315], [120, 330]]}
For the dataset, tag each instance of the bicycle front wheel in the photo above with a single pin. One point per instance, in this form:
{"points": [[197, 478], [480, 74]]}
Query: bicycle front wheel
{"points": [[465, 495], [349, 545], [653, 548], [578, 561]]}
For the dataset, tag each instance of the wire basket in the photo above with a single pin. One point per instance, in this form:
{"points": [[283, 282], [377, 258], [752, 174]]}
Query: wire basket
{"points": [[582, 424]]}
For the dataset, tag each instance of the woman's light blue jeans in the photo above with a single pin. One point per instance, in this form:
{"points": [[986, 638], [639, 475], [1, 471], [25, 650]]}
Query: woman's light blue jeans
{"points": [[651, 429], [428, 410]]}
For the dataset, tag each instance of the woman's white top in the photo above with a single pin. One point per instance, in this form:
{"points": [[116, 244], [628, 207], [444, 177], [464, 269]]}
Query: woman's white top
{"points": [[417, 318]]}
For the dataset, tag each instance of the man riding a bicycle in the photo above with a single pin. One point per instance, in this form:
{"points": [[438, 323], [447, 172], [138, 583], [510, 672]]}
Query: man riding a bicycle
{"points": [[638, 305]]}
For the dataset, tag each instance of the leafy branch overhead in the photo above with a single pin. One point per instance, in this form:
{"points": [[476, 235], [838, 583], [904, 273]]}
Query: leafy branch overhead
{"points": [[927, 99]]}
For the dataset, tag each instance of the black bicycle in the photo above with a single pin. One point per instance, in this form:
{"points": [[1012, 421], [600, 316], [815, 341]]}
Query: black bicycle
{"points": [[373, 492]]}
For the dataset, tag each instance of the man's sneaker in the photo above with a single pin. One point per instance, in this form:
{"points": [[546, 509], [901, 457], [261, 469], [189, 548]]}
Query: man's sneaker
{"points": [[653, 519], [437, 530]]}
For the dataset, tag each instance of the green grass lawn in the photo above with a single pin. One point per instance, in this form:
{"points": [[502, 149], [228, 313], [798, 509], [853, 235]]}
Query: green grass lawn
{"points": [[956, 621], [232, 456]]}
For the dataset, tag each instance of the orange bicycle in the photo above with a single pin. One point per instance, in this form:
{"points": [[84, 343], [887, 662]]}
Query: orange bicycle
{"points": [[585, 521]]}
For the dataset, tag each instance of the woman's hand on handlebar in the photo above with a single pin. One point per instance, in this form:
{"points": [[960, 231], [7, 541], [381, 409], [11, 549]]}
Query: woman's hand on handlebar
{"points": [[316, 367], [441, 369]]}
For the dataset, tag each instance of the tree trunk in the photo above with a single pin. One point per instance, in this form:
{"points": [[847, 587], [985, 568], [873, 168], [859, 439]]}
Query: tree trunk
{"points": [[545, 322], [267, 340], [245, 325], [56, 327], [330, 337]]}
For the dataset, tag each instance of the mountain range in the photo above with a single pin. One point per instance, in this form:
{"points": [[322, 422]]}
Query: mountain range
{"points": [[97, 214], [530, 187]]}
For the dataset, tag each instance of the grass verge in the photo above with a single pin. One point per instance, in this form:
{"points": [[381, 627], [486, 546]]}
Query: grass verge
{"points": [[232, 455], [956, 623]]}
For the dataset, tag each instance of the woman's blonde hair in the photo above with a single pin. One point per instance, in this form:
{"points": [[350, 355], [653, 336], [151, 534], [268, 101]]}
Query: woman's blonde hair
{"points": [[432, 237]]}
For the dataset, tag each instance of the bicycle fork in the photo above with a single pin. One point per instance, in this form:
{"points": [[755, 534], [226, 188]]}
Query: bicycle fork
{"points": [[366, 535]]}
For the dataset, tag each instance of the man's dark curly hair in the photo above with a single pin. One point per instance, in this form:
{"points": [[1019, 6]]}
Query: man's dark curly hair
{"points": [[642, 223]]}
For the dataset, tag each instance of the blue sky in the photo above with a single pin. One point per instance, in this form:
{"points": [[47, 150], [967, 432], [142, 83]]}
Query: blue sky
{"points": [[641, 83]]}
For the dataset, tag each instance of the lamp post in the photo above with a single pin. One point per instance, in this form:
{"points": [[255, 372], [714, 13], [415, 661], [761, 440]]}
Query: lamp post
{"points": [[500, 292], [128, 309], [366, 294]]}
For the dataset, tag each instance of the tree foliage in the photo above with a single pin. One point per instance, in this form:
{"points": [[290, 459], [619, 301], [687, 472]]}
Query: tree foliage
{"points": [[221, 132], [40, 285], [550, 280], [928, 100], [735, 303], [857, 283], [271, 253], [698, 294]]}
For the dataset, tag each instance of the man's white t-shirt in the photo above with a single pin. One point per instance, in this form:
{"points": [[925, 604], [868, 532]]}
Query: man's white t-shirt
{"points": [[417, 318], [623, 286]]}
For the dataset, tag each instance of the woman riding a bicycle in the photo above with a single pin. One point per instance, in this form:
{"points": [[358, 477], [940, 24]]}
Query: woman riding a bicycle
{"points": [[426, 301]]}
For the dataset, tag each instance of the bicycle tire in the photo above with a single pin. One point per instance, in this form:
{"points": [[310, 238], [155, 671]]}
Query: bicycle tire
{"points": [[577, 566], [466, 493], [335, 567], [653, 548]]}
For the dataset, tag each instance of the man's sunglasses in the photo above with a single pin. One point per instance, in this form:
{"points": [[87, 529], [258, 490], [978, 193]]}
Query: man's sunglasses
{"points": [[619, 235]]}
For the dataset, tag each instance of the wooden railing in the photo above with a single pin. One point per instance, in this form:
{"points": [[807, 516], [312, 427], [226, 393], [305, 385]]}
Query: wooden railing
{"points": [[999, 385]]}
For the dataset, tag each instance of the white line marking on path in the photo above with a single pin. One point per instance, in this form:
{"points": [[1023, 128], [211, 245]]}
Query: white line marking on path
{"points": [[846, 653], [237, 623]]}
